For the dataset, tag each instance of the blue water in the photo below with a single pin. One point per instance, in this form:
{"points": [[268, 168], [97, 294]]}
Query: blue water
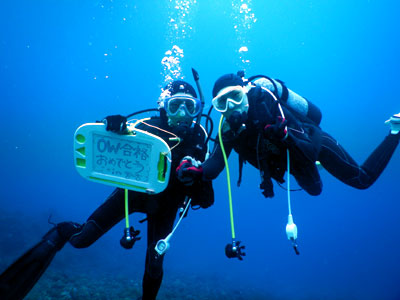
{"points": [[65, 63]]}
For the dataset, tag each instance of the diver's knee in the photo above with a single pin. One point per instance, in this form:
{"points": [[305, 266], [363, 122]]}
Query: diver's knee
{"points": [[360, 183], [315, 192], [154, 264], [361, 186], [68, 229], [154, 270], [89, 233], [314, 189], [59, 235]]}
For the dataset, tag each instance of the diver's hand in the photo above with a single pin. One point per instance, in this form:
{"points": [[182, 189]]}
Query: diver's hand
{"points": [[115, 123], [235, 250], [276, 131], [189, 170]]}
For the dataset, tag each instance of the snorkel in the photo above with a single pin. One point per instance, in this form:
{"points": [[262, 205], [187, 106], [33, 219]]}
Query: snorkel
{"points": [[208, 132], [196, 78]]}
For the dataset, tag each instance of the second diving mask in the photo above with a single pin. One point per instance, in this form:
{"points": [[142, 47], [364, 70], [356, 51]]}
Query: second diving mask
{"points": [[191, 105], [232, 95]]}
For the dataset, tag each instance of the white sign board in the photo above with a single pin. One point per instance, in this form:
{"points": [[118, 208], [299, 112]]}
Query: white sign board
{"points": [[139, 161]]}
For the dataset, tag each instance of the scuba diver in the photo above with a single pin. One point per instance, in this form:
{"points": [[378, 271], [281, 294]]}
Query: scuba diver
{"points": [[178, 107], [264, 119]]}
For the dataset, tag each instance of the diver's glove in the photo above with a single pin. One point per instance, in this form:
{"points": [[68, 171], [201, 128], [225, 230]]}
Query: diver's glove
{"points": [[189, 170], [115, 123], [234, 250], [277, 131]]}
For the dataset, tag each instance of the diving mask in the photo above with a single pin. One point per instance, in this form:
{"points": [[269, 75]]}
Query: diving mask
{"points": [[182, 102], [230, 98]]}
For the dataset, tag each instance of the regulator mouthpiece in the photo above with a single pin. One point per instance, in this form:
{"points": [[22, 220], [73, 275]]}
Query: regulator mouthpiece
{"points": [[235, 250], [130, 237]]}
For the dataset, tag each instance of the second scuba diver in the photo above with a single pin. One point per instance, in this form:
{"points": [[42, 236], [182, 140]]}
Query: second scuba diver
{"points": [[178, 106], [264, 119]]}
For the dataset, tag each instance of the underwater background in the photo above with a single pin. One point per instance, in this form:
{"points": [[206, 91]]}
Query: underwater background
{"points": [[65, 63]]}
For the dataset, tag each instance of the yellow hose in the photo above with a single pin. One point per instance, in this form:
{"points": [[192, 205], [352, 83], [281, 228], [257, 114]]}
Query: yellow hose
{"points": [[227, 177], [126, 209]]}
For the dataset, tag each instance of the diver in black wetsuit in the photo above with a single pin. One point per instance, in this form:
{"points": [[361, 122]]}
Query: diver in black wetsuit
{"points": [[178, 107], [264, 119]]}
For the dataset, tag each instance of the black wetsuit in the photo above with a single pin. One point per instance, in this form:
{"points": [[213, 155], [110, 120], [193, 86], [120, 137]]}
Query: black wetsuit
{"points": [[306, 142], [161, 209]]}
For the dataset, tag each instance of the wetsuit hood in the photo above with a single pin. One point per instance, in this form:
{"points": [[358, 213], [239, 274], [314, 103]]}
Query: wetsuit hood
{"points": [[225, 81]]}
